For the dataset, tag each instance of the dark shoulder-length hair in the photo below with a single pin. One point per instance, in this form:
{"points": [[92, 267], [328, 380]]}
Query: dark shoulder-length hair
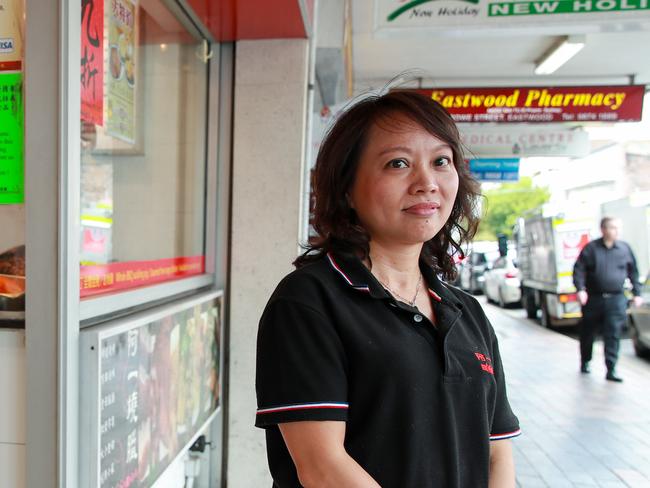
{"points": [[336, 224]]}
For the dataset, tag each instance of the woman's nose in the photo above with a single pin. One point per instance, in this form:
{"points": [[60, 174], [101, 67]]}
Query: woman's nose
{"points": [[424, 180]]}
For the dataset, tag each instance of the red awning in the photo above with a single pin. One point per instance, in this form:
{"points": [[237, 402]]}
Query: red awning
{"points": [[232, 20]]}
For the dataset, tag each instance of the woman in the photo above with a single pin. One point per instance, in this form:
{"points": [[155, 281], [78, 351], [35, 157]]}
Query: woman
{"points": [[372, 372]]}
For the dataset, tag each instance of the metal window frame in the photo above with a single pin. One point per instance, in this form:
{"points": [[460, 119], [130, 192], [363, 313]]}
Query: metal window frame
{"points": [[98, 309], [225, 70], [52, 206], [52, 151]]}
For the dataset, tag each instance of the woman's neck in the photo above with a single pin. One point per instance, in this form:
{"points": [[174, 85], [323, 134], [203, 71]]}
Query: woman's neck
{"points": [[397, 267]]}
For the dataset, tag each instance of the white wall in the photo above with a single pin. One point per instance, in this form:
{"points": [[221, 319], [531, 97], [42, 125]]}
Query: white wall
{"points": [[269, 136], [12, 408]]}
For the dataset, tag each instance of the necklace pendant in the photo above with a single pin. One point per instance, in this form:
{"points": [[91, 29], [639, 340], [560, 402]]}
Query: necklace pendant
{"points": [[410, 303]]}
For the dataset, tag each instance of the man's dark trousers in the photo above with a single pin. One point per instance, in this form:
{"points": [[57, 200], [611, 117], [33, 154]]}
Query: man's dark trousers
{"points": [[605, 310]]}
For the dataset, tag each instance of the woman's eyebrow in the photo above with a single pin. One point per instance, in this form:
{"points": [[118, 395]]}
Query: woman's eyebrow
{"points": [[407, 150], [394, 149]]}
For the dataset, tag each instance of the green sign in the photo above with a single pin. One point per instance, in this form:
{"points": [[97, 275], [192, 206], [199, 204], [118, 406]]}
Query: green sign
{"points": [[546, 7], [12, 185]]}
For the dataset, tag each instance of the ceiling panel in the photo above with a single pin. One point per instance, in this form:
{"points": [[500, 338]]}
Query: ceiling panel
{"points": [[614, 54]]}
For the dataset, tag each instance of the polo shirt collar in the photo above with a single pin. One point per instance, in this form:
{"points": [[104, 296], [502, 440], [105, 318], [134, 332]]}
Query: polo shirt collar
{"points": [[602, 243], [357, 276]]}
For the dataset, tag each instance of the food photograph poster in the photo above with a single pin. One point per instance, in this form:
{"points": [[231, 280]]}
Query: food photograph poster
{"points": [[121, 74], [157, 385]]}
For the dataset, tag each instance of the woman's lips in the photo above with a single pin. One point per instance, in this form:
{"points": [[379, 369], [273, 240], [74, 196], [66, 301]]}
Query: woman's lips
{"points": [[423, 209]]}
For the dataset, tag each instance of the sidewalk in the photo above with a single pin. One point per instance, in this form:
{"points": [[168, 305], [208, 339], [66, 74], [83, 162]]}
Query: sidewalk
{"points": [[578, 430]]}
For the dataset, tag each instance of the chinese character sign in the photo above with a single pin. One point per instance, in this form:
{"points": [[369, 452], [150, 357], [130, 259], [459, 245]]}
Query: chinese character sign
{"points": [[92, 61], [158, 385], [121, 76], [11, 139]]}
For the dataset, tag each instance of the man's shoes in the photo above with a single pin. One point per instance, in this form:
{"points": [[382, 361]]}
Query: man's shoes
{"points": [[584, 368], [612, 377]]}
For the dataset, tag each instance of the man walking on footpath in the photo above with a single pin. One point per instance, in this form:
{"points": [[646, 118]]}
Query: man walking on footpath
{"points": [[598, 275]]}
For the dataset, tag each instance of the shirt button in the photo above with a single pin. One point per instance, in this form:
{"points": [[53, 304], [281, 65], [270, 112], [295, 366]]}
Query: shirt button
{"points": [[417, 318]]}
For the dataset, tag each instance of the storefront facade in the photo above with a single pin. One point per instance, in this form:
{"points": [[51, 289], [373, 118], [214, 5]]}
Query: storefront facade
{"points": [[164, 144]]}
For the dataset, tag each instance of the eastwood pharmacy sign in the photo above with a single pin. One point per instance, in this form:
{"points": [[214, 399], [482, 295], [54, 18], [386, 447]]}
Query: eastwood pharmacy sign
{"points": [[541, 104], [390, 14]]}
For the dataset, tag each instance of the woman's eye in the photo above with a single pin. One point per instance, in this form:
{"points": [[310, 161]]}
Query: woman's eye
{"points": [[397, 163], [442, 161]]}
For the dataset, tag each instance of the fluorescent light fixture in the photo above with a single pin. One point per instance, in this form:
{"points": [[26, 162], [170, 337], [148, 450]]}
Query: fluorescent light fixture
{"points": [[559, 54]]}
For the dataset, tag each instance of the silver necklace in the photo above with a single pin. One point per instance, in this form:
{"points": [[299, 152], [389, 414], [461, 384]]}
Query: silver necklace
{"points": [[405, 300]]}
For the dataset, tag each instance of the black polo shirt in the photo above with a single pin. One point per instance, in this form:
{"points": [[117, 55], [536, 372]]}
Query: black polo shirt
{"points": [[602, 269], [421, 404]]}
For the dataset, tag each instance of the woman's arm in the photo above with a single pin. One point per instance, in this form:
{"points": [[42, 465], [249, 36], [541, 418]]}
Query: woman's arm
{"points": [[317, 450], [502, 465]]}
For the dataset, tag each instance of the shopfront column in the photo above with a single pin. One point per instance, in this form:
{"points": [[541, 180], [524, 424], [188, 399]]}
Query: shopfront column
{"points": [[270, 106]]}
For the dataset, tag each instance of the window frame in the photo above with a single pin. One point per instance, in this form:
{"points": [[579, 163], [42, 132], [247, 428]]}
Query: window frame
{"points": [[93, 310]]}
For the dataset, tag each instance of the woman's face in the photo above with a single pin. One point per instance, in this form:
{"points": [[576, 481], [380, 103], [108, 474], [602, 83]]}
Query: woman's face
{"points": [[405, 185]]}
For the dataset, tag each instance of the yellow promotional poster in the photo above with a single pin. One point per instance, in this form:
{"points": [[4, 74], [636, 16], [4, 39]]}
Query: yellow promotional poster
{"points": [[121, 79], [11, 35]]}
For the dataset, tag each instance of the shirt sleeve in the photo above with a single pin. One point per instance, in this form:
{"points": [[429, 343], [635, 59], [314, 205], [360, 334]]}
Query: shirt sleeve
{"points": [[505, 424], [580, 269], [633, 274], [301, 366]]}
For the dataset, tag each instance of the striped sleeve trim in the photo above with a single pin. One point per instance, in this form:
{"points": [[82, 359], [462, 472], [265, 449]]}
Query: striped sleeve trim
{"points": [[505, 435], [302, 406]]}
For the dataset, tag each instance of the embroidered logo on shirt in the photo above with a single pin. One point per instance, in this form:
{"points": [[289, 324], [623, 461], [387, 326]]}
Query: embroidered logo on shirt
{"points": [[486, 362]]}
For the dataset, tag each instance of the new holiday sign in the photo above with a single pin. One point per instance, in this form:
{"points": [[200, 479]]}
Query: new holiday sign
{"points": [[441, 14]]}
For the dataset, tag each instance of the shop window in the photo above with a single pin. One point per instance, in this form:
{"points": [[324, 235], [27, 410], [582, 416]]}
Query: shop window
{"points": [[144, 85]]}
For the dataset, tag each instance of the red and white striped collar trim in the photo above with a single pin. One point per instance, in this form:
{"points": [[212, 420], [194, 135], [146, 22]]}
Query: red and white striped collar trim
{"points": [[435, 296], [365, 287], [345, 277]]}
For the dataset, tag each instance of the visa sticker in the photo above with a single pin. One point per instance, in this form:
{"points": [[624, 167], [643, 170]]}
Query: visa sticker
{"points": [[6, 45]]}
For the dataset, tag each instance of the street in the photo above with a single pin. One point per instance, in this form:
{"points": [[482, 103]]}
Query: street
{"points": [[578, 430]]}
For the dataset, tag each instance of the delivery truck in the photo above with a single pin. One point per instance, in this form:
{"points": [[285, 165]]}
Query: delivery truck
{"points": [[547, 249]]}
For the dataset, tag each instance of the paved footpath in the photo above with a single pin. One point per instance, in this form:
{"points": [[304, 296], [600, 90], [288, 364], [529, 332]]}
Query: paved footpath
{"points": [[578, 430]]}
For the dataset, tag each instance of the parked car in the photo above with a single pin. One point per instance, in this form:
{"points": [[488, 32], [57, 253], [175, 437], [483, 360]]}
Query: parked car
{"points": [[638, 322], [458, 262], [502, 283], [472, 269]]}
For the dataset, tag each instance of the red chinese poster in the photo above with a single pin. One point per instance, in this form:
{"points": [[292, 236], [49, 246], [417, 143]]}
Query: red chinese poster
{"points": [[92, 61]]}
